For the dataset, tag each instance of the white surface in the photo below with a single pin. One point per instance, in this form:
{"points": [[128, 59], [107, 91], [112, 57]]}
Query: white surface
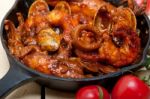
{"points": [[30, 90], [5, 5]]}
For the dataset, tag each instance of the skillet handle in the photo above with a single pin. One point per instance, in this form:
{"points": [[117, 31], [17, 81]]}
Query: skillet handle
{"points": [[12, 80]]}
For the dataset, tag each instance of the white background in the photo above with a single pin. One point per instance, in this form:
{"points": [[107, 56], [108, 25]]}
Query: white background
{"points": [[5, 5]]}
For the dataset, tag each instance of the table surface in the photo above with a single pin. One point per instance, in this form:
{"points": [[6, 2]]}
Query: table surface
{"points": [[30, 90]]}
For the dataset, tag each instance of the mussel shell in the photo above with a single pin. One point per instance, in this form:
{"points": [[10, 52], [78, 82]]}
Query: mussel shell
{"points": [[63, 6], [48, 39], [39, 7], [124, 17], [109, 18], [104, 13]]}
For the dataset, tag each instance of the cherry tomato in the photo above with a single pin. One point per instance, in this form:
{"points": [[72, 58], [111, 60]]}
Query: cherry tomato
{"points": [[130, 87], [92, 92]]}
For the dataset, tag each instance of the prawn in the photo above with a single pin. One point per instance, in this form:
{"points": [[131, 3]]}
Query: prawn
{"points": [[15, 44], [121, 48]]}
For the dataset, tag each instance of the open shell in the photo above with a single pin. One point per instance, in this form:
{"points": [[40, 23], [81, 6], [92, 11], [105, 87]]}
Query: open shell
{"points": [[39, 7], [103, 17], [48, 39], [125, 17], [109, 18], [63, 6]]}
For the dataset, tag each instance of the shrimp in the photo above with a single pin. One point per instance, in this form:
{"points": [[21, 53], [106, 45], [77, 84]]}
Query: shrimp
{"points": [[15, 44], [121, 48]]}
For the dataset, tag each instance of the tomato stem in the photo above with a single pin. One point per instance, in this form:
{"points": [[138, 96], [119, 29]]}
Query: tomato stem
{"points": [[101, 95], [147, 61], [146, 79]]}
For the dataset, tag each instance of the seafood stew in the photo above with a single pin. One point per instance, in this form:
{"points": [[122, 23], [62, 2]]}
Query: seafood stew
{"points": [[72, 39]]}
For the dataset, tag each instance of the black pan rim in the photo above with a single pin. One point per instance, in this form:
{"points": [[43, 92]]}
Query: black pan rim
{"points": [[100, 77]]}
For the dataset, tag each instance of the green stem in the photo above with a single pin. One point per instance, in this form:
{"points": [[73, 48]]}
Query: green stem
{"points": [[147, 63], [146, 79], [101, 95]]}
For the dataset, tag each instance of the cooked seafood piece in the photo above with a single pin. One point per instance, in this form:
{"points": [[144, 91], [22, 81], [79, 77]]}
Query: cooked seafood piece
{"points": [[121, 48], [39, 7], [61, 68], [86, 37], [15, 44], [48, 40]]}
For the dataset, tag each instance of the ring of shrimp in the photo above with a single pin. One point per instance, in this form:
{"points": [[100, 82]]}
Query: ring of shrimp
{"points": [[86, 37]]}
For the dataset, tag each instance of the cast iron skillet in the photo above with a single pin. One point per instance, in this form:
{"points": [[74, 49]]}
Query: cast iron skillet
{"points": [[20, 74]]}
